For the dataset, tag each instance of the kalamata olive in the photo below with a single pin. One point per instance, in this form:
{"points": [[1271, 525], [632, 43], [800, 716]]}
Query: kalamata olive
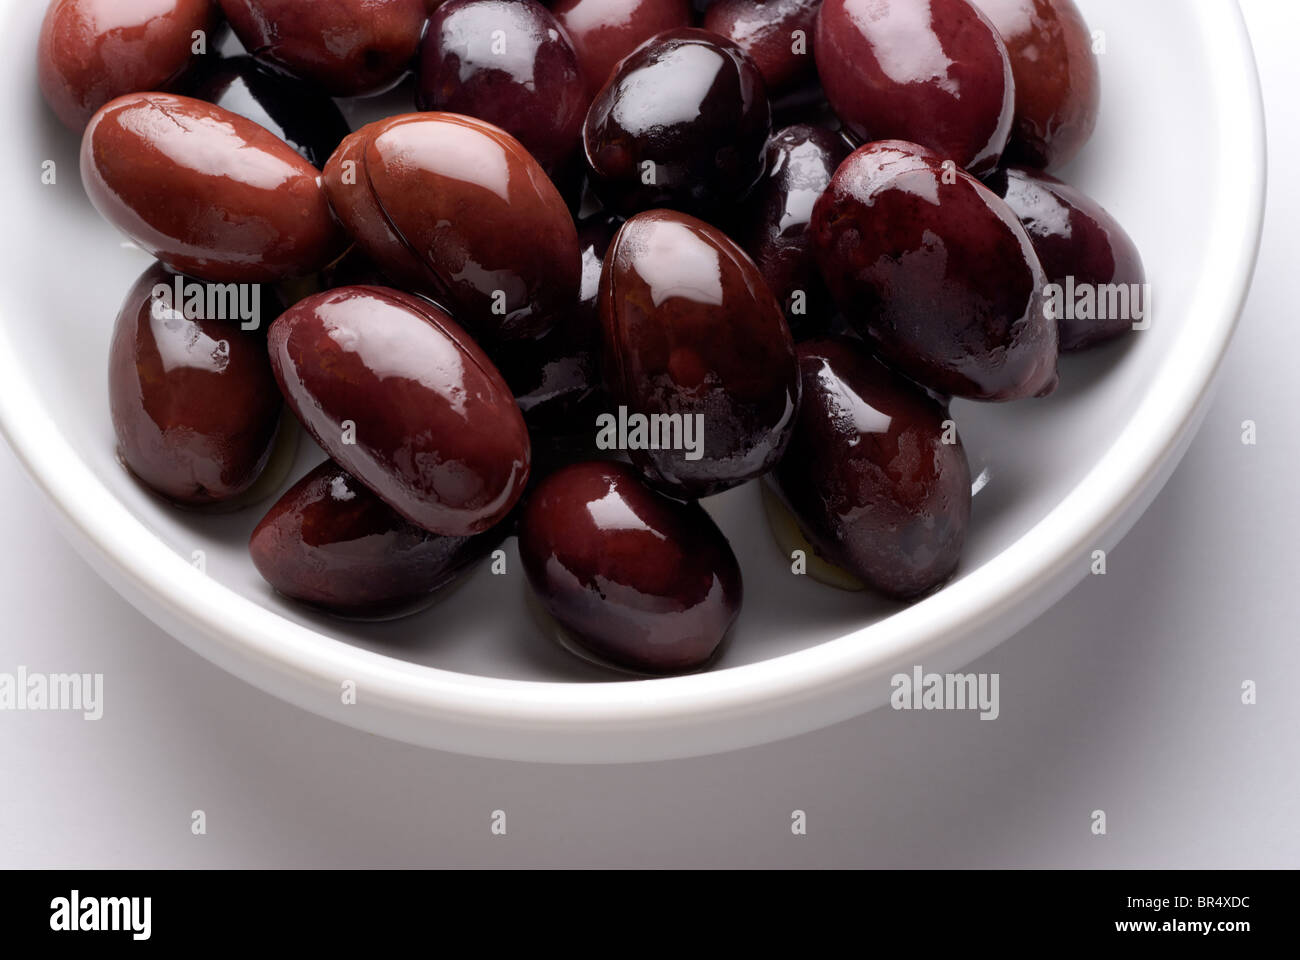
{"points": [[1058, 90], [292, 109], [595, 233], [1085, 254], [800, 163], [645, 582], [605, 31], [348, 48], [331, 543], [399, 396], [455, 208], [206, 191], [777, 34], [191, 393], [697, 355], [556, 378], [93, 51], [556, 382], [509, 63], [934, 73], [681, 124], [935, 270], [875, 473]]}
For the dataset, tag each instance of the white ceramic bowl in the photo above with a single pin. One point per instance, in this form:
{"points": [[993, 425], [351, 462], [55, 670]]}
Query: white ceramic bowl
{"points": [[1178, 156]]}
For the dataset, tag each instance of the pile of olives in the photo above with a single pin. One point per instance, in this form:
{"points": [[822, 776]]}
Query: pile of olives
{"points": [[618, 256]]}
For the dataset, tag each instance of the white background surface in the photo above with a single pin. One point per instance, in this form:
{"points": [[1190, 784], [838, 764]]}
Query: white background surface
{"points": [[1126, 697]]}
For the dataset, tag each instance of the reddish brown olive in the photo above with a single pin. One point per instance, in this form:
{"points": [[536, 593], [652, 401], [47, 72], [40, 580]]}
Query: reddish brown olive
{"points": [[192, 397], [1097, 284], [93, 51], [934, 73], [936, 271], [348, 48], [331, 543], [603, 32], [206, 191], [509, 63], [875, 474], [777, 34], [1058, 87], [456, 209], [801, 160], [681, 123], [696, 350], [640, 580], [399, 396]]}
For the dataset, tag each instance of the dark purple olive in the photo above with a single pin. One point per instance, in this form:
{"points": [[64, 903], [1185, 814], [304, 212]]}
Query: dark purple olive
{"points": [[1058, 89], [192, 397], [555, 381], [642, 581], [603, 32], [935, 270], [456, 209], [777, 34], [934, 73], [348, 48], [556, 378], [800, 163], [331, 543], [509, 63], [399, 396], [875, 474], [696, 354], [1097, 284], [681, 124], [293, 110]]}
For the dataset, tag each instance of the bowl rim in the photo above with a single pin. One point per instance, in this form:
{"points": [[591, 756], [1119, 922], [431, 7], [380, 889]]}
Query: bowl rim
{"points": [[298, 663]]}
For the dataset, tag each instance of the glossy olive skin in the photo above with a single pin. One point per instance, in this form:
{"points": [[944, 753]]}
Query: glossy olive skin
{"points": [[603, 32], [935, 73], [93, 51], [456, 209], [509, 63], [348, 48], [292, 109], [687, 111], [1058, 87], [331, 543], [868, 476], [689, 327], [193, 401], [206, 191], [1073, 237], [766, 30], [643, 581], [435, 432], [801, 160], [935, 270]]}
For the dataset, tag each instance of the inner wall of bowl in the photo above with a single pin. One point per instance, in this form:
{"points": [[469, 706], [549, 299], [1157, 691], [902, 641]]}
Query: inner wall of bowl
{"points": [[65, 271]]}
